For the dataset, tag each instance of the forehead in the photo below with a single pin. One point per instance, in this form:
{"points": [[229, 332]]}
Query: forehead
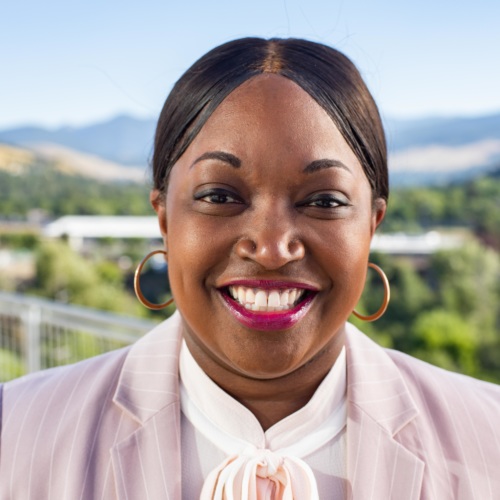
{"points": [[272, 110], [267, 92]]}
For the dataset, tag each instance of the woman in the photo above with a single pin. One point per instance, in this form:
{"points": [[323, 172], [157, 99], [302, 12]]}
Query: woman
{"points": [[270, 179]]}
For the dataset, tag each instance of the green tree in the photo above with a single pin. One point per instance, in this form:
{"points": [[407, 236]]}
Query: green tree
{"points": [[444, 338], [410, 295], [11, 365], [467, 282], [64, 275]]}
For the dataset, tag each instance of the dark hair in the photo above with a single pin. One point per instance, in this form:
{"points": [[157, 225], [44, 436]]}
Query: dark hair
{"points": [[324, 73]]}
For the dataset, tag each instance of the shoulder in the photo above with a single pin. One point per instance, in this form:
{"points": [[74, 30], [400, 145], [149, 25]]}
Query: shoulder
{"points": [[70, 418], [428, 385], [84, 383], [438, 387], [62, 391], [94, 372], [446, 420], [456, 432], [442, 399], [48, 414]]}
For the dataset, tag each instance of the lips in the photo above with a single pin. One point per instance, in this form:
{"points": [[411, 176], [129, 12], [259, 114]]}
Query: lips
{"points": [[268, 305]]}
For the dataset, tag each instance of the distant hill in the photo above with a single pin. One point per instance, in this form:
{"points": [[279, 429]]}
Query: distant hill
{"points": [[20, 160], [423, 151], [441, 150], [124, 140], [405, 134]]}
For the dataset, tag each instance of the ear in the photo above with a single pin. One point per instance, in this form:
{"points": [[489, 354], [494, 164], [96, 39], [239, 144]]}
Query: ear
{"points": [[378, 213], [157, 200]]}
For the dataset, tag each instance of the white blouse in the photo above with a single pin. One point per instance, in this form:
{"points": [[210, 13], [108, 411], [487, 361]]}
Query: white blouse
{"points": [[222, 437]]}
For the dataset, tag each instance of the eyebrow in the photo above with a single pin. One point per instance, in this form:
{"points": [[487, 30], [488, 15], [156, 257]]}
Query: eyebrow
{"points": [[325, 163], [235, 162], [228, 158]]}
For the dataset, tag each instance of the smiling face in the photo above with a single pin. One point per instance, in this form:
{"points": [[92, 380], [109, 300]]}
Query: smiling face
{"points": [[268, 220]]}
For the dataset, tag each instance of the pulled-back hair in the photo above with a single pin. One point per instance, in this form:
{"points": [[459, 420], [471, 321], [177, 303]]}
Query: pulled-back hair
{"points": [[328, 76]]}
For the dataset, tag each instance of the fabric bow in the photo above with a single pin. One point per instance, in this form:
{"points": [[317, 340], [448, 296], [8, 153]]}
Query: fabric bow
{"points": [[259, 474]]}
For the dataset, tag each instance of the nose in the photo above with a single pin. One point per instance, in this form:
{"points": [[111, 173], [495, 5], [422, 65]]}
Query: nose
{"points": [[271, 240]]}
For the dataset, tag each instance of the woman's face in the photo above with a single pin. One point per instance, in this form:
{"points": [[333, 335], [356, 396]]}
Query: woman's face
{"points": [[268, 220]]}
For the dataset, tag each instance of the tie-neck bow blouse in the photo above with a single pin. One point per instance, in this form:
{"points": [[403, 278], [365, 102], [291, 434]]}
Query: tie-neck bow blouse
{"points": [[225, 449]]}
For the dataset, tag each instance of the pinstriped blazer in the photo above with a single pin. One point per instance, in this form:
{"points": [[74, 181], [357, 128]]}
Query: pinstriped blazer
{"points": [[109, 427]]}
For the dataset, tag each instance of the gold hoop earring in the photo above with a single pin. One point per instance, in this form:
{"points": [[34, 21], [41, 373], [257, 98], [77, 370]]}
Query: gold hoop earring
{"points": [[137, 286], [387, 297]]}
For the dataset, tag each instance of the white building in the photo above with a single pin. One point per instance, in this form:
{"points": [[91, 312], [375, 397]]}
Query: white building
{"points": [[414, 245], [79, 228]]}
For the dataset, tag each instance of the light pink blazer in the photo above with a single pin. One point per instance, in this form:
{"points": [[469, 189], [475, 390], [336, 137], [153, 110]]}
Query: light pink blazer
{"points": [[109, 427]]}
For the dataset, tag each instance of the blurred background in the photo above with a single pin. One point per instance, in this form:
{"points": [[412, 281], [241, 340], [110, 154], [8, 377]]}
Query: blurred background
{"points": [[81, 87]]}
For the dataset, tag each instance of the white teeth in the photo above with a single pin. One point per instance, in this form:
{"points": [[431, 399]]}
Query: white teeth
{"points": [[274, 299], [284, 298], [250, 296], [261, 298], [256, 299]]}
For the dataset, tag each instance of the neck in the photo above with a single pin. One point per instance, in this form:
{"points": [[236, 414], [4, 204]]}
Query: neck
{"points": [[271, 399]]}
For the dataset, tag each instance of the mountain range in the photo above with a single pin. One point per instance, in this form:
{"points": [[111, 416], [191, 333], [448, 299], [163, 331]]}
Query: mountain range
{"points": [[421, 151]]}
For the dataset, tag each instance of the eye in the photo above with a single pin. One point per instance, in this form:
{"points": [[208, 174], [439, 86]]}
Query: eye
{"points": [[217, 196], [324, 205], [324, 200]]}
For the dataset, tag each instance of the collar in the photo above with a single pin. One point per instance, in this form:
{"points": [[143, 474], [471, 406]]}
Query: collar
{"points": [[207, 407]]}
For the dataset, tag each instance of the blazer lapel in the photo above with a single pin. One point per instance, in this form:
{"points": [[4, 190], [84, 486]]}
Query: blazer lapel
{"points": [[147, 461], [147, 464], [379, 407]]}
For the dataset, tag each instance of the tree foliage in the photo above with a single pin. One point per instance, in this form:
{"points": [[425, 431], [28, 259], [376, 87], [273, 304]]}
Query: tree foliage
{"points": [[58, 194], [65, 276], [446, 313], [475, 204]]}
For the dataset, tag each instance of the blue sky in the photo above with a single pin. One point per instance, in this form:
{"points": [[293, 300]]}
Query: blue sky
{"points": [[76, 62]]}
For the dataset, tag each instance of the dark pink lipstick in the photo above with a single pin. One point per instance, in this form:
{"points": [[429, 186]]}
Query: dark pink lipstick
{"points": [[268, 321]]}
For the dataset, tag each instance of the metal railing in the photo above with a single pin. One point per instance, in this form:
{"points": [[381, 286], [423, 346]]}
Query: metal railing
{"points": [[37, 333]]}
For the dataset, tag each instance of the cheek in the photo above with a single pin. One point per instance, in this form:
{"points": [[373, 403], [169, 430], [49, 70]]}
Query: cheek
{"points": [[344, 253], [195, 251]]}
